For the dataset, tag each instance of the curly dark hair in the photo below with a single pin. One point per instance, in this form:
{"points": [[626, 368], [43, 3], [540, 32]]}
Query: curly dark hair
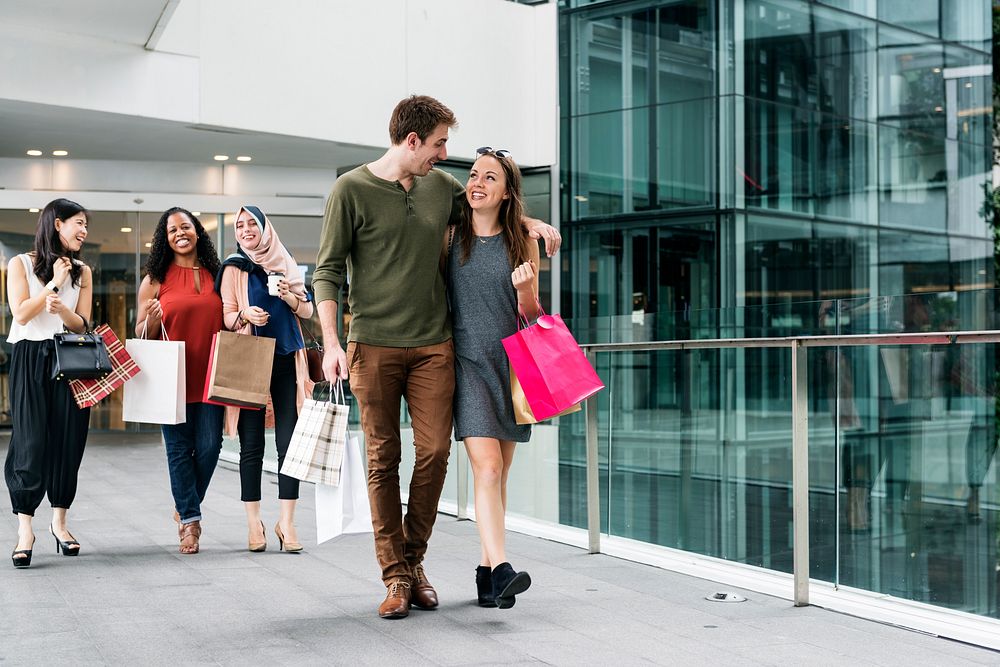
{"points": [[161, 256], [48, 247]]}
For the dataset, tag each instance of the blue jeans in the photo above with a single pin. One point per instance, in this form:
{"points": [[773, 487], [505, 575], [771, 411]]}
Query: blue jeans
{"points": [[192, 453]]}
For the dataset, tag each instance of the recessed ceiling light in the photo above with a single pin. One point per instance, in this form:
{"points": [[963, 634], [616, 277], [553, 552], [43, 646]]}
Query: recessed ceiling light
{"points": [[243, 158], [34, 152], [939, 109], [968, 85], [937, 70], [126, 230], [580, 198], [196, 214], [32, 210], [221, 158], [60, 153], [148, 244]]}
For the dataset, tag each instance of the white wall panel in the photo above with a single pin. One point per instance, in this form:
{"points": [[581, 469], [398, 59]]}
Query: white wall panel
{"points": [[329, 70], [311, 68], [88, 73]]}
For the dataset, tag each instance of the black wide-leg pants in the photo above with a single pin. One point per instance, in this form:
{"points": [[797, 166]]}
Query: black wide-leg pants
{"points": [[49, 431]]}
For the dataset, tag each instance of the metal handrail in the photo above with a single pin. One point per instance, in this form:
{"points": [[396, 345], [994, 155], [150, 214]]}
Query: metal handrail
{"points": [[800, 418]]}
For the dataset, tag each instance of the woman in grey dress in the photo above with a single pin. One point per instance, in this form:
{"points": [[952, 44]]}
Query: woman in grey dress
{"points": [[492, 274]]}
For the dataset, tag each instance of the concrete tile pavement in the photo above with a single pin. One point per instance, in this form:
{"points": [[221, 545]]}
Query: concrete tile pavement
{"points": [[131, 598]]}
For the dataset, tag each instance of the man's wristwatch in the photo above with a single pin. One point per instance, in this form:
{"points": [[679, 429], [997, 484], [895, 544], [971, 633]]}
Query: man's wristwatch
{"points": [[52, 287]]}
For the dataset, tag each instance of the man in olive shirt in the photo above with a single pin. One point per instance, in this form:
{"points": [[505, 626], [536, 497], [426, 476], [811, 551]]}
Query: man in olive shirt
{"points": [[385, 224]]}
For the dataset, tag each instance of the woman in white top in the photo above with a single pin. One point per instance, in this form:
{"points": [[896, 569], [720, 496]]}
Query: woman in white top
{"points": [[49, 291]]}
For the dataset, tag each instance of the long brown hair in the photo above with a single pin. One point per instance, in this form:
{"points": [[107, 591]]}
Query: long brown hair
{"points": [[515, 237]]}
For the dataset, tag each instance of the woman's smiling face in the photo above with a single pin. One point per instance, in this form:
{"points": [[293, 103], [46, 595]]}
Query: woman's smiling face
{"points": [[487, 185], [182, 236], [247, 231]]}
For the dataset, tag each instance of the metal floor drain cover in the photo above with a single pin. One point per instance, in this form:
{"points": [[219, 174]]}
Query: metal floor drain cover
{"points": [[725, 597]]}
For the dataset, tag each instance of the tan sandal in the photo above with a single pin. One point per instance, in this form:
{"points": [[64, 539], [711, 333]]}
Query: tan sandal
{"points": [[190, 533]]}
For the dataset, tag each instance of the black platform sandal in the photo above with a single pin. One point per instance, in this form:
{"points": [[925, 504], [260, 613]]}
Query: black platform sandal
{"points": [[25, 556], [68, 548]]}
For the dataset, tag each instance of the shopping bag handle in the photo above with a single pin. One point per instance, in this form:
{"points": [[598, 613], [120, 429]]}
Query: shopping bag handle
{"points": [[163, 329], [522, 318], [337, 391]]}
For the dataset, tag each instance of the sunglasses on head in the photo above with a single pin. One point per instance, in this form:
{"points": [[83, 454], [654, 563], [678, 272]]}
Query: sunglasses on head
{"points": [[487, 150]]}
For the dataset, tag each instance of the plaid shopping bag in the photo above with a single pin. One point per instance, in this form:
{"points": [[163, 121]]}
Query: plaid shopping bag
{"points": [[316, 451], [88, 393]]}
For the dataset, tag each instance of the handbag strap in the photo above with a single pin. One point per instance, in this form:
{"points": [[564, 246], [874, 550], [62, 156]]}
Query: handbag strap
{"points": [[308, 331]]}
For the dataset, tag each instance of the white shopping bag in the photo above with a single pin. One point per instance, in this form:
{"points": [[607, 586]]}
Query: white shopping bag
{"points": [[344, 509], [158, 394]]}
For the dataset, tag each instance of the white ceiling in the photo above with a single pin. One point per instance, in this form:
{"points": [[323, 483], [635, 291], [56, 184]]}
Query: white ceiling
{"points": [[127, 21], [94, 135]]}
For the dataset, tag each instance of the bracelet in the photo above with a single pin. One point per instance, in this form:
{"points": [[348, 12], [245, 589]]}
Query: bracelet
{"points": [[240, 322]]}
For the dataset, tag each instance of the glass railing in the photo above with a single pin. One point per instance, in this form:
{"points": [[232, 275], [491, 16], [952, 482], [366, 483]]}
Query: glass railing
{"points": [[694, 449]]}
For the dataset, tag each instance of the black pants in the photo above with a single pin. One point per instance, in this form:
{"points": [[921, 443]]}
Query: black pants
{"points": [[49, 431], [251, 432]]}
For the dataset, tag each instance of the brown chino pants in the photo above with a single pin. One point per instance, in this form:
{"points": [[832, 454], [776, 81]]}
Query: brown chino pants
{"points": [[380, 377]]}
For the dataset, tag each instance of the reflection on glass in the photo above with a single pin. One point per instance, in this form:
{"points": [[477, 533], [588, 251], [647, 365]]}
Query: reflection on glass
{"points": [[636, 270], [642, 107], [919, 479]]}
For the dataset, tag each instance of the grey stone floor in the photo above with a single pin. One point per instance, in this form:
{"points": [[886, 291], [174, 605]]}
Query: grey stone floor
{"points": [[130, 598]]}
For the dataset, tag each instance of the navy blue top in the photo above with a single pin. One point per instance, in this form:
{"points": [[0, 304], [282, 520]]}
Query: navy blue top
{"points": [[281, 326]]}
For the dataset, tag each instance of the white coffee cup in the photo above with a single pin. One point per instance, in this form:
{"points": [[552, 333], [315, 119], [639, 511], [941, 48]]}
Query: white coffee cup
{"points": [[272, 283]]}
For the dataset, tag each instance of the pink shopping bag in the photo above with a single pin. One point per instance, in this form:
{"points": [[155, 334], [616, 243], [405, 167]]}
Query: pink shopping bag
{"points": [[552, 369]]}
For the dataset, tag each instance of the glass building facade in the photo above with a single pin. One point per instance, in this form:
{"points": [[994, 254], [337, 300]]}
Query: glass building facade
{"points": [[745, 168]]}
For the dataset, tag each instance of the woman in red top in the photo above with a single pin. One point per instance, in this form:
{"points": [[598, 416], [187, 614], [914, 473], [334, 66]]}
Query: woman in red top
{"points": [[179, 290]]}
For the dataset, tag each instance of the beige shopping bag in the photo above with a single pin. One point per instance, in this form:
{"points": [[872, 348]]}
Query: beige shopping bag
{"points": [[239, 370]]}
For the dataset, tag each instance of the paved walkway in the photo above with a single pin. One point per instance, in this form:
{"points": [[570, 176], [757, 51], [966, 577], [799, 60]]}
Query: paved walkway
{"points": [[130, 598]]}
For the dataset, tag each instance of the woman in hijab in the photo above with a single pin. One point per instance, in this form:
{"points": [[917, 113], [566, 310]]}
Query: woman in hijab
{"points": [[250, 307]]}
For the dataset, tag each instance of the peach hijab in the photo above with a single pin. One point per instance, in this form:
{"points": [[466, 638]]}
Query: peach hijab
{"points": [[271, 254]]}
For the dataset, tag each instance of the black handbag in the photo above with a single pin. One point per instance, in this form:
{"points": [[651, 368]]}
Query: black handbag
{"points": [[80, 356]]}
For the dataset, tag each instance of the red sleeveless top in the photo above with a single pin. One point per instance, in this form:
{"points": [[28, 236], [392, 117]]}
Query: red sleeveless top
{"points": [[193, 317]]}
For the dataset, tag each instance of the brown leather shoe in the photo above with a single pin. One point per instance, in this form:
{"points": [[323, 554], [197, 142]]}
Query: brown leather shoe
{"points": [[397, 601], [424, 595]]}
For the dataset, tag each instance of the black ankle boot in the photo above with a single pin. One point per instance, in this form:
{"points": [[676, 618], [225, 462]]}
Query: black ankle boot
{"points": [[484, 587], [507, 583]]}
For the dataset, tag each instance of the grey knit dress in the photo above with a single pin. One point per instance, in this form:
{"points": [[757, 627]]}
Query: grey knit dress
{"points": [[484, 311]]}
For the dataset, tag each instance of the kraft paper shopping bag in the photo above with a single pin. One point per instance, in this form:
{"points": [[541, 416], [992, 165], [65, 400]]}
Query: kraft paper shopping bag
{"points": [[239, 370]]}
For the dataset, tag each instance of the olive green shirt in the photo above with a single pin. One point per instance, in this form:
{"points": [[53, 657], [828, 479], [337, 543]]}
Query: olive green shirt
{"points": [[386, 243]]}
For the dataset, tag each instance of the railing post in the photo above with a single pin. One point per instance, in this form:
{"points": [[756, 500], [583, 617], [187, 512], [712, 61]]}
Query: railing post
{"points": [[593, 471], [800, 473]]}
